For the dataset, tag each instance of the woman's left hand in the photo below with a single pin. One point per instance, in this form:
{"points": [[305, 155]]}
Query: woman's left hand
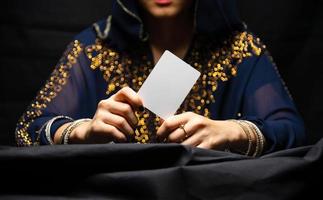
{"points": [[198, 131]]}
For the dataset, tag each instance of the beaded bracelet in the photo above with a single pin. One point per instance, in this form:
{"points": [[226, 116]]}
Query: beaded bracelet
{"points": [[49, 125], [251, 128], [247, 132], [248, 127], [67, 131], [260, 139], [256, 151], [61, 140]]}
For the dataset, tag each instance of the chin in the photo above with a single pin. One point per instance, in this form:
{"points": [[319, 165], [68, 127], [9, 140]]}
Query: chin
{"points": [[164, 12]]}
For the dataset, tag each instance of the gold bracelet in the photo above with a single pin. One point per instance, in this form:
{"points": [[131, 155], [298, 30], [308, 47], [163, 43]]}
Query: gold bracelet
{"points": [[260, 139], [246, 131], [61, 139], [255, 152]]}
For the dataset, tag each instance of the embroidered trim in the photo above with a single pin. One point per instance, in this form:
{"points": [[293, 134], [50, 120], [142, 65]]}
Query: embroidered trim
{"points": [[141, 33], [103, 35], [53, 86], [215, 64]]}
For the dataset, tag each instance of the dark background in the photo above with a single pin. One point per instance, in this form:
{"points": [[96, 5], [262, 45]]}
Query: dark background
{"points": [[34, 33]]}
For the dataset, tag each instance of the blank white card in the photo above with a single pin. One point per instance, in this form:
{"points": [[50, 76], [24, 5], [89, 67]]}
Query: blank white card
{"points": [[167, 85]]}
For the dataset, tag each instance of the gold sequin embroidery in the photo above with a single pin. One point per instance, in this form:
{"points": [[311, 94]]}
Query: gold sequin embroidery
{"points": [[53, 86], [216, 63]]}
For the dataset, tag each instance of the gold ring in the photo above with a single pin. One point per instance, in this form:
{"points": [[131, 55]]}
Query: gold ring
{"points": [[182, 127]]}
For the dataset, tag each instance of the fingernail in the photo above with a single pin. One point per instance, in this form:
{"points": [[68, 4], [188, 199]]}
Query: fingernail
{"points": [[141, 109]]}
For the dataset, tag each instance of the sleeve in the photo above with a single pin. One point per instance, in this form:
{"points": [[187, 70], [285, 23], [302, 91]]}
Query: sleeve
{"points": [[269, 105], [65, 96]]}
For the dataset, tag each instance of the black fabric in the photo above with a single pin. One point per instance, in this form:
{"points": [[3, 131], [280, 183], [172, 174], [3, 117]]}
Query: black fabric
{"points": [[133, 171], [33, 36], [35, 33]]}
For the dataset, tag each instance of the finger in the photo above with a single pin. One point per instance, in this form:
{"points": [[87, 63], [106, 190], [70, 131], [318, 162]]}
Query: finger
{"points": [[118, 122], [116, 134], [104, 133], [177, 136], [127, 95], [204, 145], [194, 140], [180, 134], [216, 144], [171, 124], [124, 110]]}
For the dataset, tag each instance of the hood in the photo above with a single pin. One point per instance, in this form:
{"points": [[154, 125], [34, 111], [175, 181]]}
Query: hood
{"points": [[124, 27]]}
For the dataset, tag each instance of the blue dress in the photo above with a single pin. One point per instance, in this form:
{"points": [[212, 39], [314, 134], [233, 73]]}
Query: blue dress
{"points": [[239, 79]]}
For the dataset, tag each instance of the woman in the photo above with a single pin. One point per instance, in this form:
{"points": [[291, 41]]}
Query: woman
{"points": [[239, 102]]}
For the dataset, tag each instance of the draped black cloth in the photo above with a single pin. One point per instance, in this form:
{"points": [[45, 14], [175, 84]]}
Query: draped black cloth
{"points": [[155, 171], [162, 171]]}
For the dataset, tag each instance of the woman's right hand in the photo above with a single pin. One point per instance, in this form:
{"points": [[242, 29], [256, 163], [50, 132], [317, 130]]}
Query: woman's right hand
{"points": [[114, 120]]}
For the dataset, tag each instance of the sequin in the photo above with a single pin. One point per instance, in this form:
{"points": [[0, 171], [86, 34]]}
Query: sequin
{"points": [[216, 62], [53, 86]]}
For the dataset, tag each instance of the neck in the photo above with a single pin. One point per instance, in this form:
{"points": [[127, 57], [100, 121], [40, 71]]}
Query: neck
{"points": [[173, 34]]}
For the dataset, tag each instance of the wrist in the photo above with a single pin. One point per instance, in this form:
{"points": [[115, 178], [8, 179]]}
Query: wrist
{"points": [[256, 140], [79, 134], [59, 132], [238, 139], [73, 132]]}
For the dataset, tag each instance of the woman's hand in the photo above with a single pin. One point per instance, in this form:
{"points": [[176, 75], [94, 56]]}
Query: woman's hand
{"points": [[114, 119], [199, 131]]}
